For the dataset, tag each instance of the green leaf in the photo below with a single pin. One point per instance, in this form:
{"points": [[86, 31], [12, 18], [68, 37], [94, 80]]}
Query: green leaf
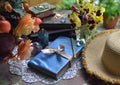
{"points": [[17, 7], [19, 11]]}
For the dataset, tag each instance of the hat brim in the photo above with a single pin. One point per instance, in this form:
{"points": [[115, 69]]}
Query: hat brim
{"points": [[91, 59]]}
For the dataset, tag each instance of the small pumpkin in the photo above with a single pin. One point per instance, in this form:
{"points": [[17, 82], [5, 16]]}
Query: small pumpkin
{"points": [[5, 25]]}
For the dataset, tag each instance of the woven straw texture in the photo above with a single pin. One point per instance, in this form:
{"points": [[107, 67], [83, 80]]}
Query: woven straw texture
{"points": [[92, 57]]}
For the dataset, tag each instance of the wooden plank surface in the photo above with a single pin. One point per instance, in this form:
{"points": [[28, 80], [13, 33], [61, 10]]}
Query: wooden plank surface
{"points": [[36, 2]]}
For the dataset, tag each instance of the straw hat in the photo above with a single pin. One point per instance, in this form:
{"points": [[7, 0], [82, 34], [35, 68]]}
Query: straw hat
{"points": [[92, 57]]}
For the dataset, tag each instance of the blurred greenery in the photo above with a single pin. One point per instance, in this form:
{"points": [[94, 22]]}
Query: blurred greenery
{"points": [[65, 4], [112, 7]]}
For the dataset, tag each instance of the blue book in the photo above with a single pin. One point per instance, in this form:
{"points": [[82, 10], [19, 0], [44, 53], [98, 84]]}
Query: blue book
{"points": [[53, 64]]}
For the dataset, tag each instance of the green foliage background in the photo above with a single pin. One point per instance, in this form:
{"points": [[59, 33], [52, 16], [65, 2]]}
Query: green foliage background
{"points": [[65, 4]]}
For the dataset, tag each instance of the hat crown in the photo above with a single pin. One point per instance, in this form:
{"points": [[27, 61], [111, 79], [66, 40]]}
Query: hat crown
{"points": [[111, 54], [113, 42]]}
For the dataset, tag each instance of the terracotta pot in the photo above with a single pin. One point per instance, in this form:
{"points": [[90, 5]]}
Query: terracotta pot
{"points": [[111, 24]]}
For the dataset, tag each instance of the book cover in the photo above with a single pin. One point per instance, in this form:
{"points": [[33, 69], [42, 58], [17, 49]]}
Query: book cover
{"points": [[53, 64]]}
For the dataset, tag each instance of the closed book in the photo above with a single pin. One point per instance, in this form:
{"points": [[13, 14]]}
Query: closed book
{"points": [[58, 21], [42, 10], [53, 64]]}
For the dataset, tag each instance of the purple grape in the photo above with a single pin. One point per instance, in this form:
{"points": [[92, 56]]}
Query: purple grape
{"points": [[36, 48]]}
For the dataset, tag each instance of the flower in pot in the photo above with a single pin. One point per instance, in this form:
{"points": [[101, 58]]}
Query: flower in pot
{"points": [[111, 14]]}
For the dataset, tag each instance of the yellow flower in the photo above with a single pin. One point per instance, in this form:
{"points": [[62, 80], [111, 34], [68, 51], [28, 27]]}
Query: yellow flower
{"points": [[80, 2], [87, 7], [91, 1], [98, 19], [102, 9], [95, 9], [87, 18], [88, 15], [75, 19], [92, 27]]}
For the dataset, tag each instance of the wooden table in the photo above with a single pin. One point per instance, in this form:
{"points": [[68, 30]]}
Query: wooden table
{"points": [[82, 78]]}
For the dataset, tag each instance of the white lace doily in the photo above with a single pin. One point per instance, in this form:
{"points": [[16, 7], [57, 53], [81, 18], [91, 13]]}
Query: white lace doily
{"points": [[30, 76]]}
